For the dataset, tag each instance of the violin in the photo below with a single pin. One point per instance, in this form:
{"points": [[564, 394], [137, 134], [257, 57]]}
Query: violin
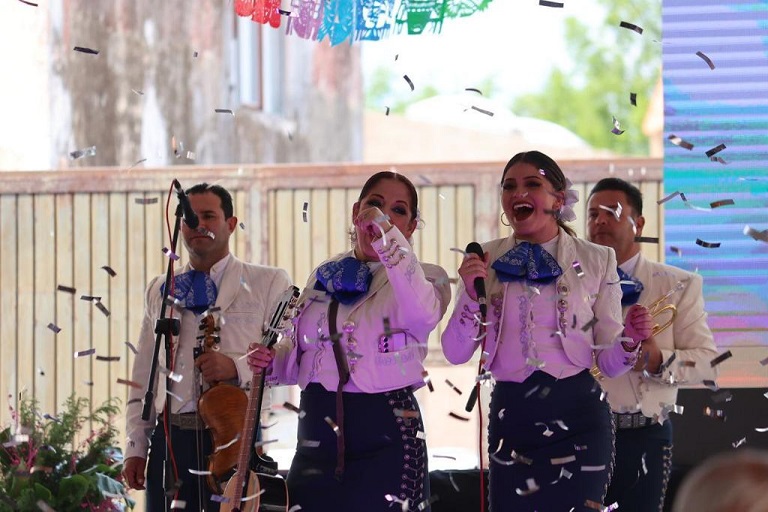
{"points": [[222, 408], [256, 485]]}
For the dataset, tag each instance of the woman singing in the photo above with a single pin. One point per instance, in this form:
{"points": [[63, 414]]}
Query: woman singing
{"points": [[554, 307]]}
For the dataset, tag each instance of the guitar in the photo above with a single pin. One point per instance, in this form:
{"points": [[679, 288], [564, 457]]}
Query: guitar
{"points": [[256, 486]]}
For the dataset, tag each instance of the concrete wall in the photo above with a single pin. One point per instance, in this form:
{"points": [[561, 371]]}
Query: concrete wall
{"points": [[162, 70]]}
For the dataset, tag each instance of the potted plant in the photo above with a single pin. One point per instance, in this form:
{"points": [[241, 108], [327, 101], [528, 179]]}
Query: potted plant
{"points": [[48, 464]]}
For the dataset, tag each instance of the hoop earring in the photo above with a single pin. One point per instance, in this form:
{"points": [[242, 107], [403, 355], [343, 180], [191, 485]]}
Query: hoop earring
{"points": [[508, 224]]}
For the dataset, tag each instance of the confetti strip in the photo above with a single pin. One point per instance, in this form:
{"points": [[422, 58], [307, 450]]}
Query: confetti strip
{"points": [[67, 289], [55, 328], [295, 508], [532, 487], [101, 307], [482, 111], [719, 359], [138, 91], [129, 383], [28, 3], [427, 380], [740, 442], [227, 445], [647, 239], [547, 432], [409, 82], [109, 270], [593, 468], [764, 362], [309, 443], [677, 141], [712, 152], [82, 153], [706, 59], [548, 3], [458, 391], [170, 254], [305, 212], [616, 130], [42, 505], [762, 430], [473, 89], [386, 111], [83, 49], [712, 385], [633, 99], [631, 26], [593, 505], [84, 353], [108, 359], [90, 298], [426, 503], [199, 473], [291, 407], [145, 200], [722, 202], [589, 324], [333, 425], [131, 347], [718, 160], [562, 460], [676, 250], [457, 416], [137, 162], [760, 236], [225, 111], [724, 396], [708, 245], [577, 267], [178, 504], [668, 197]]}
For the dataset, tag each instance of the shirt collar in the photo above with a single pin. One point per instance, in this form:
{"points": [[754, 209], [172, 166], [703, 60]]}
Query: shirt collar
{"points": [[629, 266], [217, 270]]}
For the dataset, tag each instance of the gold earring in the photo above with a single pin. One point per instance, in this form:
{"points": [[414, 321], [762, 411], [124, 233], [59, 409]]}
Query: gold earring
{"points": [[508, 224]]}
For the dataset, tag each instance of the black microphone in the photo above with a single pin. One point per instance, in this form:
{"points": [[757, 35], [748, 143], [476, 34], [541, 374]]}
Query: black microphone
{"points": [[475, 248], [190, 217]]}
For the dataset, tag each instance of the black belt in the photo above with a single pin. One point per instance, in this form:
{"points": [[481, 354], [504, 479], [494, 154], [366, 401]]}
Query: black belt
{"points": [[188, 421], [633, 420]]}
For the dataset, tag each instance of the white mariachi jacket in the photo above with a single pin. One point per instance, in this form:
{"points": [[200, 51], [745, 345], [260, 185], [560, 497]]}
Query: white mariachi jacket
{"points": [[411, 296], [594, 297], [689, 339], [246, 295]]}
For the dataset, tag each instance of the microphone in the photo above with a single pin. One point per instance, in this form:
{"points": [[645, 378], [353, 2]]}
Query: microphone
{"points": [[475, 248], [190, 217]]}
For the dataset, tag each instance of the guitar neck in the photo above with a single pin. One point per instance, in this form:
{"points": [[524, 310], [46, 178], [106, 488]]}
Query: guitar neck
{"points": [[250, 427]]}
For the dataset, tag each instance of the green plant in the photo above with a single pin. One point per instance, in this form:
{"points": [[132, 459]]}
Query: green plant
{"points": [[43, 466]]}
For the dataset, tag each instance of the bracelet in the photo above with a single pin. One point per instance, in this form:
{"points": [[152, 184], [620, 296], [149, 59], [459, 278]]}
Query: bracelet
{"points": [[630, 348]]}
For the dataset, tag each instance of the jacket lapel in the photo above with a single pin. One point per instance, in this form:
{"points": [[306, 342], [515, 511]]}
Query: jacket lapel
{"points": [[230, 283]]}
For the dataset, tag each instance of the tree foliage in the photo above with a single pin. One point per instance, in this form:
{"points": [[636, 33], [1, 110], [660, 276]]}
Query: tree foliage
{"points": [[610, 63]]}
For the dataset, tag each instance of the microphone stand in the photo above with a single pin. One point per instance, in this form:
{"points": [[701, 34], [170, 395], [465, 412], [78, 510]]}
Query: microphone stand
{"points": [[164, 329]]}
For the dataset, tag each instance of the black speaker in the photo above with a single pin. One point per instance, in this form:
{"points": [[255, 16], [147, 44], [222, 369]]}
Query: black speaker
{"points": [[457, 490]]}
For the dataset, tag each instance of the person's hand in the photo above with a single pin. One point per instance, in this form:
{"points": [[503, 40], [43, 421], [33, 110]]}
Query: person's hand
{"points": [[638, 323], [216, 367], [259, 357], [373, 222], [473, 267], [133, 472]]}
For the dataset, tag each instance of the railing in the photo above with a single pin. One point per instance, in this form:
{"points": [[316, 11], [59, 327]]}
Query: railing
{"points": [[61, 228]]}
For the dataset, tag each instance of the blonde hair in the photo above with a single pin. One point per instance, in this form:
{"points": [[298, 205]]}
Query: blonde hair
{"points": [[728, 482]]}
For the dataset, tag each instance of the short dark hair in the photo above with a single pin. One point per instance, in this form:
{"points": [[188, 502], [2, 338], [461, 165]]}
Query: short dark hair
{"points": [[390, 175], [552, 172], [634, 196], [224, 196]]}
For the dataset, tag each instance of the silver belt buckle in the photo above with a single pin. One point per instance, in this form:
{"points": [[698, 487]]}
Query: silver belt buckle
{"points": [[187, 421]]}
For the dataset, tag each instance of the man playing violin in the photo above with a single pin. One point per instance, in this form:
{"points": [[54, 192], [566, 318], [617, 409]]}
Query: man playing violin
{"points": [[241, 294], [679, 354]]}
